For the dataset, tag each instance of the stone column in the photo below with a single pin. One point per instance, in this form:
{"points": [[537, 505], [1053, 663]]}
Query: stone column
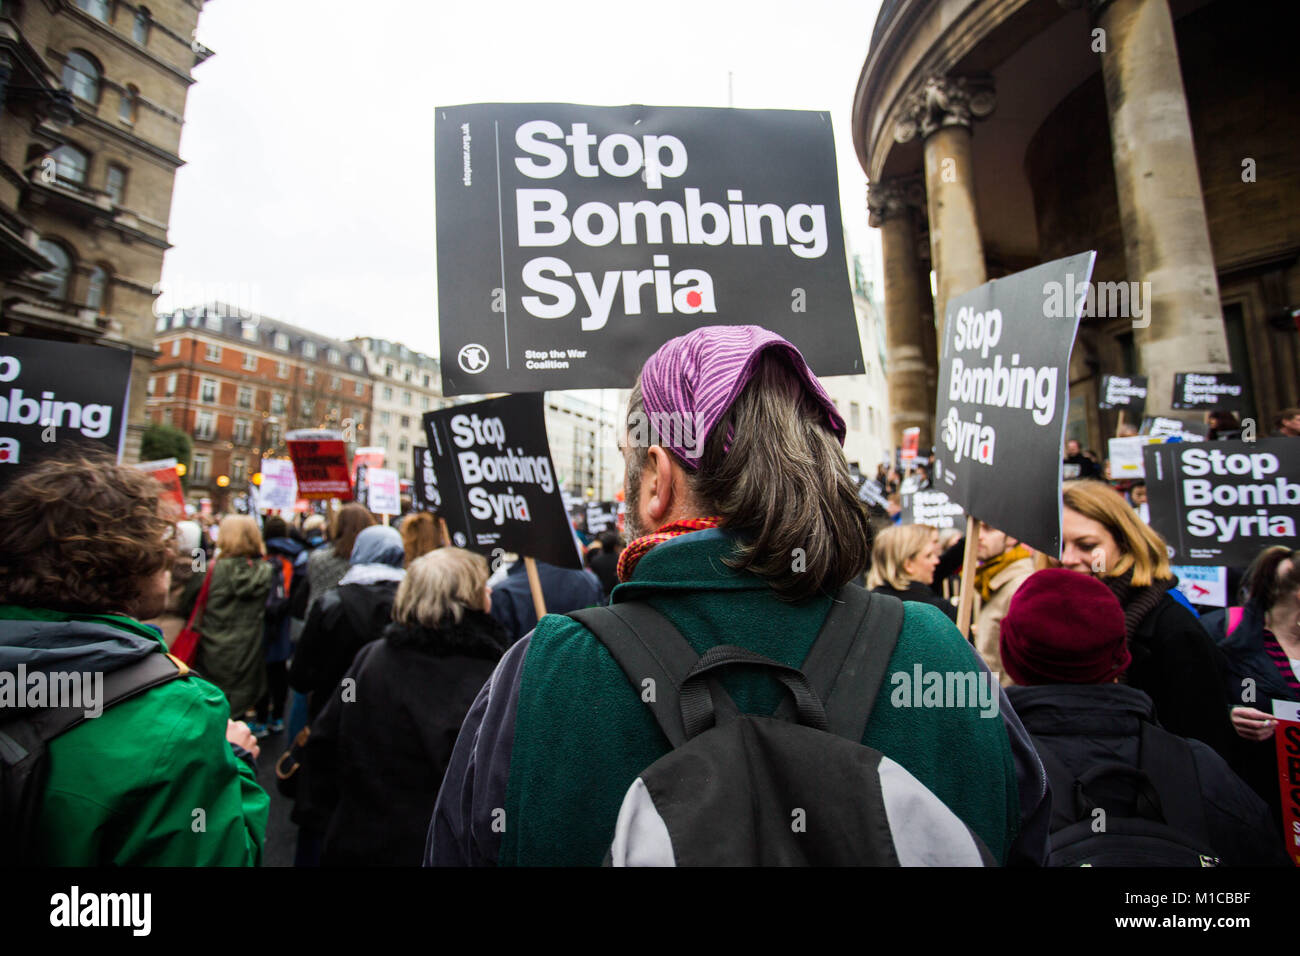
{"points": [[1162, 212], [941, 113], [891, 203]]}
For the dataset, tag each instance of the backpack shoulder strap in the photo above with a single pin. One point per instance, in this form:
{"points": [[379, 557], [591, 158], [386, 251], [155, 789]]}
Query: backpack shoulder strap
{"points": [[848, 660], [119, 685], [1167, 761], [644, 643]]}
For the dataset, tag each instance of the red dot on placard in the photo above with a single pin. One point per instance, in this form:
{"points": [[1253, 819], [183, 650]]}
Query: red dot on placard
{"points": [[693, 299]]}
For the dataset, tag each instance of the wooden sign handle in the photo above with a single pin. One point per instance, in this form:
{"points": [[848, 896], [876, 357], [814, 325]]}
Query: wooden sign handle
{"points": [[535, 585], [966, 602]]}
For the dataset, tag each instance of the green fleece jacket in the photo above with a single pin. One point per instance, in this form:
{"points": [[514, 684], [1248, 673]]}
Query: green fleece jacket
{"points": [[582, 734], [152, 781]]}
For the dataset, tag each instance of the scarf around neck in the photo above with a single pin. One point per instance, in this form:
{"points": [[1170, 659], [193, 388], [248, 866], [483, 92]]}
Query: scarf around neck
{"points": [[638, 548], [992, 568], [1136, 602]]}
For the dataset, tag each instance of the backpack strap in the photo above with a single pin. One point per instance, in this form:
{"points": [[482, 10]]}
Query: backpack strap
{"points": [[847, 662], [1168, 762], [644, 644]]}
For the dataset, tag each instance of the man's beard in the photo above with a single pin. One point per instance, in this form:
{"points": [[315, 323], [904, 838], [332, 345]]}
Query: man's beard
{"points": [[632, 503]]}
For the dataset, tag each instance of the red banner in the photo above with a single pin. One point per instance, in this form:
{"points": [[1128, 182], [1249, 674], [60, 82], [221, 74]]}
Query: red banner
{"points": [[164, 470], [320, 461], [1288, 774]]}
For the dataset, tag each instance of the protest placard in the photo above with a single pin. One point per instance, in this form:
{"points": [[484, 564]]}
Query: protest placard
{"points": [[1287, 742], [424, 491], [1207, 586], [573, 241], [1126, 456], [1223, 502], [1208, 390], [384, 495], [320, 463], [1003, 383], [602, 516], [57, 397], [165, 471], [911, 444], [873, 493], [934, 508], [1127, 393], [279, 488], [496, 479]]}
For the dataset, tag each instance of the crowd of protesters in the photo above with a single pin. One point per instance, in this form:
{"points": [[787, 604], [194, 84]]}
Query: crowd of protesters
{"points": [[422, 701]]}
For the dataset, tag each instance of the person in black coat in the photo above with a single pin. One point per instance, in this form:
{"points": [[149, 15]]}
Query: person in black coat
{"points": [[603, 561], [903, 561], [376, 762], [1063, 643], [349, 616], [1174, 660], [564, 590]]}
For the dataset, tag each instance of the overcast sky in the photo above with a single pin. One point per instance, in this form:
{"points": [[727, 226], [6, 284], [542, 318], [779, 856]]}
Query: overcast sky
{"points": [[308, 191]]}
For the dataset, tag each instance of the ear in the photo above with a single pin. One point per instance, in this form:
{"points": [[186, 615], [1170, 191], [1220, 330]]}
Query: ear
{"points": [[658, 489]]}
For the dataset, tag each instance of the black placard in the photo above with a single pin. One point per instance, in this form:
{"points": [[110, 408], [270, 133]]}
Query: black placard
{"points": [[1209, 391], [602, 516], [551, 276], [498, 485], [1222, 502], [424, 486], [934, 508], [1127, 392], [1003, 384], [56, 397]]}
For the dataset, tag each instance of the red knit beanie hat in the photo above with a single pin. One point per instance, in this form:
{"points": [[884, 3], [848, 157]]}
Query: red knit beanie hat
{"points": [[1064, 627]]}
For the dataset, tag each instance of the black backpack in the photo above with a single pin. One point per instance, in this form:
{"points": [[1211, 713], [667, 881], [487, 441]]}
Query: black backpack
{"points": [[1153, 814], [24, 736], [796, 788]]}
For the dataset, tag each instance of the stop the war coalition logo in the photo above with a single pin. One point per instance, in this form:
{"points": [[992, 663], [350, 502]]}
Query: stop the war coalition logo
{"points": [[55, 396], [573, 241], [1220, 503]]}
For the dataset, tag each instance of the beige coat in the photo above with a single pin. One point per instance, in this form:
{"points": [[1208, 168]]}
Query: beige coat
{"points": [[989, 620]]}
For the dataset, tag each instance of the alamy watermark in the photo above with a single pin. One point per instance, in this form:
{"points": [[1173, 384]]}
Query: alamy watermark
{"points": [[977, 689], [1103, 300], [671, 429], [23, 689]]}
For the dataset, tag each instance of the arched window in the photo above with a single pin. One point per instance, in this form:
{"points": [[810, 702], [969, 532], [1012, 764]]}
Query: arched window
{"points": [[70, 165], [81, 76], [99, 9], [126, 109], [96, 288], [140, 27], [56, 279]]}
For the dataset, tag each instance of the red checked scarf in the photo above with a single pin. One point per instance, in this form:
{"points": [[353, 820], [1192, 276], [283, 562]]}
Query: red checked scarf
{"points": [[639, 547]]}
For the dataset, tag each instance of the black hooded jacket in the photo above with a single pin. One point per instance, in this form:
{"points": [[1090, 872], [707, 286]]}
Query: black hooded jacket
{"points": [[376, 763], [1085, 725]]}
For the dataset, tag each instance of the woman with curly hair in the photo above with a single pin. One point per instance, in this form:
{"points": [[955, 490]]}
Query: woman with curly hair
{"points": [[84, 558], [230, 650]]}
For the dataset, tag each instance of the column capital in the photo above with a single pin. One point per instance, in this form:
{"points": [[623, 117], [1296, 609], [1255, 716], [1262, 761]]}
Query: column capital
{"points": [[893, 197], [944, 101]]}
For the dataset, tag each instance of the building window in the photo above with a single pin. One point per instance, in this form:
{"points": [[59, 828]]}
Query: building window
{"points": [[140, 28], [407, 374], [99, 9], [403, 444], [248, 331], [204, 426], [424, 402], [245, 396], [358, 388], [309, 350], [95, 289], [115, 184], [406, 398], [70, 165], [332, 356], [171, 384], [56, 279], [406, 421], [308, 408], [855, 416], [385, 418], [383, 442], [199, 468], [281, 341], [176, 347], [242, 431], [277, 403], [357, 364], [309, 376], [426, 383], [149, 388], [388, 369], [388, 393], [126, 106], [238, 471], [81, 76], [335, 383], [282, 369], [208, 390], [167, 416], [250, 362], [212, 353]]}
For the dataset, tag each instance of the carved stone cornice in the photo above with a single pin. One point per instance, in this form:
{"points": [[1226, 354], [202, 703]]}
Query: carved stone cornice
{"points": [[893, 197], [943, 101]]}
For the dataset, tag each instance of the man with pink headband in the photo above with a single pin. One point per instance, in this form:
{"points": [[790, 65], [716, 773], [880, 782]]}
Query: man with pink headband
{"points": [[745, 526]]}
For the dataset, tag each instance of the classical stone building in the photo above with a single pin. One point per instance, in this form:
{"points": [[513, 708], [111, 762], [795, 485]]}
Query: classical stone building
{"points": [[237, 383], [407, 384], [1165, 134], [92, 94]]}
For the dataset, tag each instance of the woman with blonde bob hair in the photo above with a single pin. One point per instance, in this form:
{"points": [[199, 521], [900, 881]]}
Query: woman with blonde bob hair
{"points": [[903, 560], [376, 770], [1174, 659]]}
